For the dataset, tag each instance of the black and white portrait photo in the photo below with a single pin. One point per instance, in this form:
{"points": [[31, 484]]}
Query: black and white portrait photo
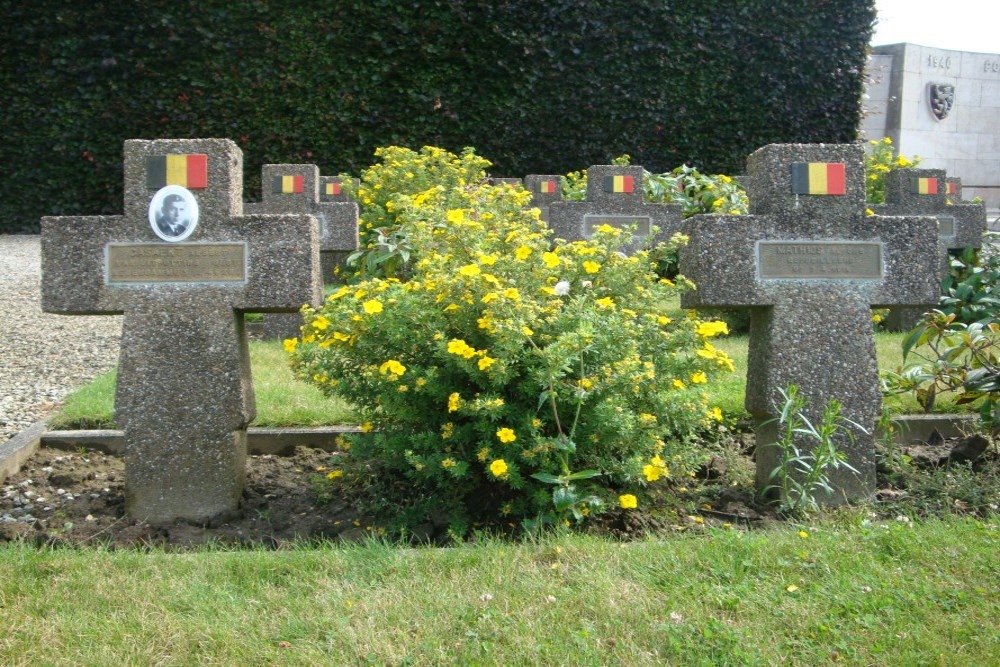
{"points": [[173, 213]]}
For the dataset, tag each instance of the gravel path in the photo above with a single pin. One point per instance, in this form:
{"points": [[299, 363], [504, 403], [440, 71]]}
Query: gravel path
{"points": [[42, 357]]}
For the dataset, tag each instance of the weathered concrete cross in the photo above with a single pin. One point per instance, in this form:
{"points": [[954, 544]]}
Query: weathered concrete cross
{"points": [[544, 190], [810, 265], [960, 224], [296, 188], [614, 197], [184, 394]]}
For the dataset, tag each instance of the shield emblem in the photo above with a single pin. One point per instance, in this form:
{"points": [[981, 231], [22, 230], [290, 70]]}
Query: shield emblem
{"points": [[941, 98]]}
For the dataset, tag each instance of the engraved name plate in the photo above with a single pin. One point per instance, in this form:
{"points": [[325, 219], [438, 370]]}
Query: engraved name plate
{"points": [[946, 226], [138, 263], [642, 223], [819, 260]]}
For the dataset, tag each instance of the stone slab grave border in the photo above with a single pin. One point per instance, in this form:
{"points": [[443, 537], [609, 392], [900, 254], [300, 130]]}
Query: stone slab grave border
{"points": [[16, 451]]}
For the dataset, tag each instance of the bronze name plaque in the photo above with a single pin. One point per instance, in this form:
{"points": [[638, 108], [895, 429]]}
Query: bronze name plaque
{"points": [[138, 263], [819, 260], [642, 223], [946, 226]]}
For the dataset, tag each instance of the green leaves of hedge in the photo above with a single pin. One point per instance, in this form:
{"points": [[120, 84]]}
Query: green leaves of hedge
{"points": [[539, 87]]}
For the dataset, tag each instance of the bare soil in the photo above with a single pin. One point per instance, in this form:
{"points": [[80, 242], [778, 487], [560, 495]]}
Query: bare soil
{"points": [[78, 498], [75, 499]]}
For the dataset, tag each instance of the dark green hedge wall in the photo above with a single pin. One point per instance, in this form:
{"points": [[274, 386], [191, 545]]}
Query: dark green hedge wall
{"points": [[537, 87]]}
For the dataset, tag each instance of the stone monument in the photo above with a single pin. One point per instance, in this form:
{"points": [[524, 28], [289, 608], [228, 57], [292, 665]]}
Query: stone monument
{"points": [[810, 265], [544, 190], [183, 264], [296, 188], [959, 225], [615, 197]]}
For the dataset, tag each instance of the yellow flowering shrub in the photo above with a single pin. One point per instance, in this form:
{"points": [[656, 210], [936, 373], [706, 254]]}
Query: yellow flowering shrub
{"points": [[878, 163], [539, 384], [402, 177]]}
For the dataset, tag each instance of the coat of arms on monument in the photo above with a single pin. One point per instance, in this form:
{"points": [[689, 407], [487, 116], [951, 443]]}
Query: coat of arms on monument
{"points": [[941, 99]]}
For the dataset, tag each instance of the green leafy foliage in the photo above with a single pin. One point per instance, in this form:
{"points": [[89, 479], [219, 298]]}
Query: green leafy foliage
{"points": [[971, 290], [540, 87], [808, 453], [950, 356]]}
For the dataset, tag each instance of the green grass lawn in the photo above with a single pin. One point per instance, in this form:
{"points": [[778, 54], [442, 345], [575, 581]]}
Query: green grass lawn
{"points": [[284, 401], [889, 593]]}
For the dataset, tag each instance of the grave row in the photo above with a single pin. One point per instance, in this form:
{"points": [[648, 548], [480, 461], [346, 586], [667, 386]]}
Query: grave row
{"points": [[188, 259]]}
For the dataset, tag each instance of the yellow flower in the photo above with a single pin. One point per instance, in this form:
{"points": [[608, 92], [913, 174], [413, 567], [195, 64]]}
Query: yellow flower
{"points": [[448, 463], [334, 474], [522, 252], [716, 414], [392, 366], [709, 329], [678, 384], [698, 377], [868, 211], [454, 402], [320, 323], [605, 302], [499, 468], [550, 259], [366, 427], [461, 348], [506, 435], [456, 216], [526, 330], [655, 469], [447, 430], [373, 306], [663, 320], [470, 270], [291, 344], [803, 534], [487, 260], [627, 501], [591, 267], [512, 294], [486, 362]]}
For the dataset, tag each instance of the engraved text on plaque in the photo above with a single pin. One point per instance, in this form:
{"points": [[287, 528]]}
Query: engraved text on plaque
{"points": [[821, 260], [136, 263]]}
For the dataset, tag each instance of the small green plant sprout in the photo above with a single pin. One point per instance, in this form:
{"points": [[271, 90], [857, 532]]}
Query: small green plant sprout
{"points": [[951, 357], [803, 472]]}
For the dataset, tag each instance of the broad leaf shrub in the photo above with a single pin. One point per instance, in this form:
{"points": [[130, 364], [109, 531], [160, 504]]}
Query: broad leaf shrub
{"points": [[971, 290], [509, 378]]}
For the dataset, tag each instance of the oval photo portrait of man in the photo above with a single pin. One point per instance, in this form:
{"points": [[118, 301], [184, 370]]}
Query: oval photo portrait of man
{"points": [[173, 213]]}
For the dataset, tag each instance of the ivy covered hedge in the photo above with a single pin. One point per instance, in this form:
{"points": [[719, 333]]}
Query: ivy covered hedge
{"points": [[538, 87]]}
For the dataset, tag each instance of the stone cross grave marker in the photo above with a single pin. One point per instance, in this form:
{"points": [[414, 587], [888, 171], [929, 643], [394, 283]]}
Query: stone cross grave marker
{"points": [[810, 264], [614, 197], [544, 190], [960, 225], [184, 394], [331, 188], [298, 188], [953, 188]]}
